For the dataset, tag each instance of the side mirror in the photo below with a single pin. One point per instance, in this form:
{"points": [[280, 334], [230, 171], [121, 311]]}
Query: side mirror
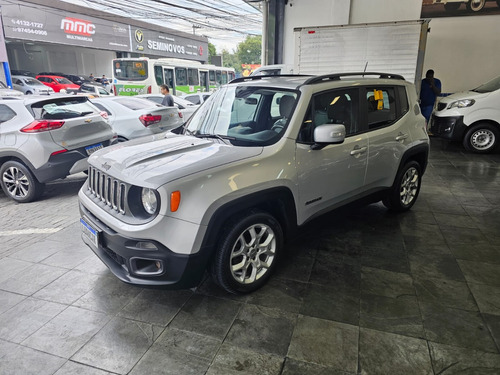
{"points": [[328, 134]]}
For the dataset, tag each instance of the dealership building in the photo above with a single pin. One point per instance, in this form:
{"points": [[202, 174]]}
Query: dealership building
{"points": [[48, 35]]}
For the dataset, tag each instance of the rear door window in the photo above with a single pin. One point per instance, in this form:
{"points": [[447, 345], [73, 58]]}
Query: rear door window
{"points": [[6, 113], [381, 106]]}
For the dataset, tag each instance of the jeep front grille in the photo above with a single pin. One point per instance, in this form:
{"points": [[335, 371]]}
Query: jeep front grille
{"points": [[109, 190]]}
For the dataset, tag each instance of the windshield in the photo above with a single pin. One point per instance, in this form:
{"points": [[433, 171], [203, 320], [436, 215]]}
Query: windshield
{"points": [[130, 70], [33, 82], [64, 81], [244, 115], [490, 86]]}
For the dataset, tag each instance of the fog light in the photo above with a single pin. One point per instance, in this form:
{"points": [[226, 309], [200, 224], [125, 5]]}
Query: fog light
{"points": [[145, 246], [146, 267]]}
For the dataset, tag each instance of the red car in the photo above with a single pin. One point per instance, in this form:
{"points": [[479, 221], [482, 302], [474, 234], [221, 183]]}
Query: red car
{"points": [[57, 83]]}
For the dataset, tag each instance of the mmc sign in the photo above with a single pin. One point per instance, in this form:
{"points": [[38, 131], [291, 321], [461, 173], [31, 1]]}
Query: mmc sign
{"points": [[78, 27]]}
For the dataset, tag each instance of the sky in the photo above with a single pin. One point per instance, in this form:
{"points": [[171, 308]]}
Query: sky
{"points": [[225, 22]]}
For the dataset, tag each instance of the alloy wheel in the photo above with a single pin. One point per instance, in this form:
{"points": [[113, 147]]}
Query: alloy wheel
{"points": [[409, 186], [16, 182], [253, 253]]}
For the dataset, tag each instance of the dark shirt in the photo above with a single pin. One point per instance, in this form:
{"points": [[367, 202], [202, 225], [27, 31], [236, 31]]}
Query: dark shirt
{"points": [[168, 100], [427, 95]]}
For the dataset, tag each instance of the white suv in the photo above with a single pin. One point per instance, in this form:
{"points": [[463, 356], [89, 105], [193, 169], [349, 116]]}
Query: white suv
{"points": [[262, 156]]}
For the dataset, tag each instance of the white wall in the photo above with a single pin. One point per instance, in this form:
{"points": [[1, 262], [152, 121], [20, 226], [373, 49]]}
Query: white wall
{"points": [[371, 11], [300, 13], [463, 51], [57, 58]]}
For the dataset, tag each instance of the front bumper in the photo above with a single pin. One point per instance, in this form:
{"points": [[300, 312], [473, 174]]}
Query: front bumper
{"points": [[451, 128], [141, 262]]}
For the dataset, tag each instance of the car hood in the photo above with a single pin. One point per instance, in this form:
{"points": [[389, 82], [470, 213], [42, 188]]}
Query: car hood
{"points": [[9, 92], [155, 160], [463, 95]]}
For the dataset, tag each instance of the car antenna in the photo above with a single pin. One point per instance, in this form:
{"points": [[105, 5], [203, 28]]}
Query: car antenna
{"points": [[366, 65]]}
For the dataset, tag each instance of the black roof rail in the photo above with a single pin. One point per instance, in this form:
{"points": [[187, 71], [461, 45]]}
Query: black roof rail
{"points": [[255, 78], [336, 77]]}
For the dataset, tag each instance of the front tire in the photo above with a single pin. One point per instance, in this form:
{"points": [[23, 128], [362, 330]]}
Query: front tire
{"points": [[18, 183], [481, 138], [475, 5], [404, 193], [248, 249]]}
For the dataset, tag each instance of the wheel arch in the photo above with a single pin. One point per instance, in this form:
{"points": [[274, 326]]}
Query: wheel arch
{"points": [[482, 121], [278, 202], [419, 153], [4, 157]]}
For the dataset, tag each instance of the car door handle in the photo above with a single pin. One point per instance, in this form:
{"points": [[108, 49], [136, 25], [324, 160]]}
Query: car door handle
{"points": [[401, 137], [358, 150]]}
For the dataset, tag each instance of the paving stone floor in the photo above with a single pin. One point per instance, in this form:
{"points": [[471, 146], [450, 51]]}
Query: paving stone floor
{"points": [[360, 291]]}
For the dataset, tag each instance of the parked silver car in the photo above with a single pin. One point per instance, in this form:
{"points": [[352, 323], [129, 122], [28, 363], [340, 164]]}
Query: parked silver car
{"points": [[185, 106], [29, 85], [46, 138], [8, 92], [132, 117], [259, 158], [197, 98], [93, 90]]}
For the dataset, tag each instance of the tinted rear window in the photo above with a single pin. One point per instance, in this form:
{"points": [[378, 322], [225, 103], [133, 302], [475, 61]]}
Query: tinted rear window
{"points": [[63, 108], [135, 103]]}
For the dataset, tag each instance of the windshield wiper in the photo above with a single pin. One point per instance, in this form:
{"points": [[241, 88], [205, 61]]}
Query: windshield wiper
{"points": [[223, 138], [189, 132]]}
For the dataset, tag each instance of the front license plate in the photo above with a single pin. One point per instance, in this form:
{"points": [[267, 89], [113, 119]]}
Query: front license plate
{"points": [[91, 149], [89, 232]]}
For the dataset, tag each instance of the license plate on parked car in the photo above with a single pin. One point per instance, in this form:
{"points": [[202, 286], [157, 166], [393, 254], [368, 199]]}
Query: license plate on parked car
{"points": [[91, 149], [90, 232]]}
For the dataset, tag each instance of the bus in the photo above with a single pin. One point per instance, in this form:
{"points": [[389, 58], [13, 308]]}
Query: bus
{"points": [[133, 76]]}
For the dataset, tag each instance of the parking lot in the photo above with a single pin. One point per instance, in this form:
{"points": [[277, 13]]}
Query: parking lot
{"points": [[359, 291]]}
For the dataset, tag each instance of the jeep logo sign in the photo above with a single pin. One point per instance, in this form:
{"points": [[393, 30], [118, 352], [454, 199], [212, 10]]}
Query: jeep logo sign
{"points": [[78, 27]]}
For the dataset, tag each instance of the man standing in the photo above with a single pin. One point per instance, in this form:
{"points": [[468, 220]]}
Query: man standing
{"points": [[168, 100], [430, 89]]}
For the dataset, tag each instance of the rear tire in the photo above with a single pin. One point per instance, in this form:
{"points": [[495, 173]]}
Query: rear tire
{"points": [[248, 249], [482, 138], [404, 193], [18, 183], [475, 5]]}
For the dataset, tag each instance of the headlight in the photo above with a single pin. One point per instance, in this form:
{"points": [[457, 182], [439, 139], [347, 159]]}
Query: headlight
{"points": [[462, 103], [149, 199]]}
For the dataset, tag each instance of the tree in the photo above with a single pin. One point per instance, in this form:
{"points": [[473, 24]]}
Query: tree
{"points": [[230, 60], [211, 51], [249, 51]]}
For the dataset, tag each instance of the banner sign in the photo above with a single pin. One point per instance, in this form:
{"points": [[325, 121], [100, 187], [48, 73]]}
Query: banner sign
{"points": [[37, 23]]}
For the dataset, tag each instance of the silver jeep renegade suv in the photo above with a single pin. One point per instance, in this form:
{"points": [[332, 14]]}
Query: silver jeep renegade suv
{"points": [[262, 156]]}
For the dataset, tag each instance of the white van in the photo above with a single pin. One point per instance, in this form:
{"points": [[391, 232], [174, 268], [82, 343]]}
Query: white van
{"points": [[273, 70], [471, 117]]}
